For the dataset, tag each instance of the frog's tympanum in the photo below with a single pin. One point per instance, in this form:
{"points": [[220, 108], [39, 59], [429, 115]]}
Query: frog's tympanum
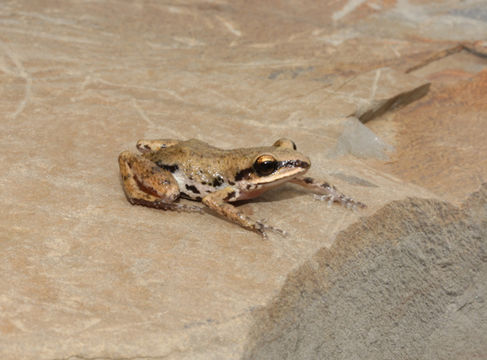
{"points": [[169, 169]]}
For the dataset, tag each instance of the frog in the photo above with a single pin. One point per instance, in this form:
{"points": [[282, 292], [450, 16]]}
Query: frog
{"points": [[167, 170]]}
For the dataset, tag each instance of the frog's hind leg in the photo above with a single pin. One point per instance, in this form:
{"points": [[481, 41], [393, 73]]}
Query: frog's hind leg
{"points": [[147, 184], [327, 192], [145, 146]]}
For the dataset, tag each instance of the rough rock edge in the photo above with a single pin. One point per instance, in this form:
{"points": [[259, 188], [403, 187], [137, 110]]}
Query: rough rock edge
{"points": [[388, 284]]}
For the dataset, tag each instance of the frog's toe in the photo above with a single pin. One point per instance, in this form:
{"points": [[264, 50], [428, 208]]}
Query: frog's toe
{"points": [[262, 227], [347, 202], [263, 234], [279, 231], [358, 205], [328, 198]]}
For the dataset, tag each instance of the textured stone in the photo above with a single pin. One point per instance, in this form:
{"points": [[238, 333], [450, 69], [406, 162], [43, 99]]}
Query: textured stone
{"points": [[407, 282]]}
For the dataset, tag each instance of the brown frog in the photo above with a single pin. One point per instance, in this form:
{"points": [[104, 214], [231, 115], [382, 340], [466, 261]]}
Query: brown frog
{"points": [[169, 169]]}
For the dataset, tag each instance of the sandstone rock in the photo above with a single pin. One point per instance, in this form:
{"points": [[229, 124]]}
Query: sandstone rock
{"points": [[407, 282]]}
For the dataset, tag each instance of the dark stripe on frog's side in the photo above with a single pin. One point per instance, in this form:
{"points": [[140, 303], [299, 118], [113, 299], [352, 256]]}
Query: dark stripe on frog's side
{"points": [[192, 188], [171, 168]]}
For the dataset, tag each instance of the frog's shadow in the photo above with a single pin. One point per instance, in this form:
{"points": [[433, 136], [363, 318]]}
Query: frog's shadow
{"points": [[285, 192]]}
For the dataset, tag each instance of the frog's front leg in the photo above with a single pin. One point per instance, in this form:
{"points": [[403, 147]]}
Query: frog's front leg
{"points": [[327, 192], [218, 201], [147, 184]]}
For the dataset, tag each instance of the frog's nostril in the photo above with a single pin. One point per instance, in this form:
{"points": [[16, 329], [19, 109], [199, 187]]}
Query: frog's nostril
{"points": [[303, 164]]}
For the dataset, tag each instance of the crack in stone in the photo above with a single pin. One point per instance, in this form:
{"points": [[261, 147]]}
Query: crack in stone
{"points": [[474, 48]]}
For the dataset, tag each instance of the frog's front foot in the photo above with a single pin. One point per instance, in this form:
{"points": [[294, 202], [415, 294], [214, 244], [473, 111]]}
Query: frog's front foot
{"points": [[261, 228]]}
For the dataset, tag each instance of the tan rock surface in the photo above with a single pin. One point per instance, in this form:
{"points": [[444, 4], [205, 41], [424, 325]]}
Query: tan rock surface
{"points": [[87, 275]]}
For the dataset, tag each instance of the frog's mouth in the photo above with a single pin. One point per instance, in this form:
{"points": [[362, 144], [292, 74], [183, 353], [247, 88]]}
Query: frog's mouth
{"points": [[278, 170], [285, 170]]}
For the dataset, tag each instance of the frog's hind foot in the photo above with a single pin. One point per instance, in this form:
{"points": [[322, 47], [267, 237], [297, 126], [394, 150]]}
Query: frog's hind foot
{"points": [[261, 228], [326, 192], [343, 200], [146, 184]]}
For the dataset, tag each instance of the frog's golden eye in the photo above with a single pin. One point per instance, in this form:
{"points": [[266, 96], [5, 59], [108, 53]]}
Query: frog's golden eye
{"points": [[265, 165], [285, 143]]}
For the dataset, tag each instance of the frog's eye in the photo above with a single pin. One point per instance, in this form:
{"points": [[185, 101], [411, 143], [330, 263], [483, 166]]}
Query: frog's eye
{"points": [[265, 165], [285, 143]]}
